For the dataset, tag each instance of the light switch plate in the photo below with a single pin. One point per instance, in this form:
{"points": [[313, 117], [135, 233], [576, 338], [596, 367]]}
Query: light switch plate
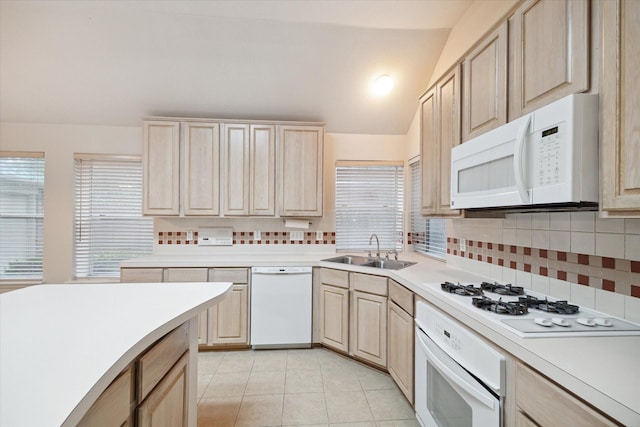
{"points": [[257, 235], [319, 235]]}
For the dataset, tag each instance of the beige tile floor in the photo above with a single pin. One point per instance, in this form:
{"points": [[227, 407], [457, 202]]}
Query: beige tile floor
{"points": [[308, 387]]}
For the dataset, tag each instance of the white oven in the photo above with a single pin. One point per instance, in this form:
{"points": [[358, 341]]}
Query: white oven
{"points": [[459, 379]]}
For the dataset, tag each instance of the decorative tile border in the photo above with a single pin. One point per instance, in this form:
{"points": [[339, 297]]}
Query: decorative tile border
{"points": [[610, 274], [246, 238]]}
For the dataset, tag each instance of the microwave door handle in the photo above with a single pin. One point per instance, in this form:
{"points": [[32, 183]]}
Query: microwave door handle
{"points": [[517, 161], [449, 373]]}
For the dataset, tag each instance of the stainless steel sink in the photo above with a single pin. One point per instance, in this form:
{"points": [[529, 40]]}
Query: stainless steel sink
{"points": [[387, 264]]}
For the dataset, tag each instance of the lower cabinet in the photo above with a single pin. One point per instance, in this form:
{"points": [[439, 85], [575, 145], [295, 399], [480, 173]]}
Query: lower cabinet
{"points": [[369, 327], [153, 390], [224, 325], [400, 363], [334, 308], [540, 402]]}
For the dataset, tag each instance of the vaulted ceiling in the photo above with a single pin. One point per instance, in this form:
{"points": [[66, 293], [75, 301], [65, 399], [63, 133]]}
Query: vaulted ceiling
{"points": [[112, 62]]}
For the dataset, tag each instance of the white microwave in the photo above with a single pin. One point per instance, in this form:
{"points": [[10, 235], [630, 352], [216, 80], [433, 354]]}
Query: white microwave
{"points": [[547, 158]]}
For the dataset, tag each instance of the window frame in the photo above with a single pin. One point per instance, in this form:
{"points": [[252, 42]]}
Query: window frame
{"points": [[438, 224]]}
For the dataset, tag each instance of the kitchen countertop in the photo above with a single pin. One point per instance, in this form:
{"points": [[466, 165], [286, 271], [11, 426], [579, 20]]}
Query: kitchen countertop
{"points": [[62, 345], [600, 370]]}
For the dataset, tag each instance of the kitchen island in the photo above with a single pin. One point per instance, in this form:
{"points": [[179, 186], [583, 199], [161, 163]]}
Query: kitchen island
{"points": [[61, 346]]}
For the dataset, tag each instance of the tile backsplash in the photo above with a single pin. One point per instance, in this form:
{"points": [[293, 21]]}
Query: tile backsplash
{"points": [[247, 238], [572, 255]]}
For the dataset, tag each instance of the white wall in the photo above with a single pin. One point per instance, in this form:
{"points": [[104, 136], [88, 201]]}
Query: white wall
{"points": [[59, 143]]}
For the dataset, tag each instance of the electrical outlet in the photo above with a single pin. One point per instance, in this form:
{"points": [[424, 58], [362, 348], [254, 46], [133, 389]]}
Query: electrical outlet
{"points": [[319, 235], [296, 235], [463, 245], [257, 235], [189, 235]]}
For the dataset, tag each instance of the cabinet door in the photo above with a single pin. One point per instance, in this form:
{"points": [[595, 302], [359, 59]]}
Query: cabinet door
{"points": [[192, 275], [550, 52], [334, 311], [228, 323], [448, 103], [141, 275], [201, 177], [301, 174], [620, 110], [161, 168], [235, 169], [113, 407], [167, 404], [262, 171], [368, 333], [484, 98], [429, 153], [400, 343]]}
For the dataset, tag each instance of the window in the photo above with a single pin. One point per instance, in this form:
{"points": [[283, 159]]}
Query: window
{"points": [[428, 236], [21, 215], [369, 200], [109, 226]]}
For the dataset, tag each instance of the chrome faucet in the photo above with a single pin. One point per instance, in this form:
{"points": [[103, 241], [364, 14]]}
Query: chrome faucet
{"points": [[378, 243]]}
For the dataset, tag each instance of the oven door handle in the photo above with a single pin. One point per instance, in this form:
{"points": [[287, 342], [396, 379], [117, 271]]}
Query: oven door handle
{"points": [[441, 364]]}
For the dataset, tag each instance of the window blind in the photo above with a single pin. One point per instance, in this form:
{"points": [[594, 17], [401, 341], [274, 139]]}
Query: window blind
{"points": [[369, 200], [428, 235], [21, 215], [108, 222]]}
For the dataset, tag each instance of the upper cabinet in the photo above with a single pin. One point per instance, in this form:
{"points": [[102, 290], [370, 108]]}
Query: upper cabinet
{"points": [[301, 174], [201, 185], [440, 132], [232, 169], [550, 51], [484, 96], [619, 109], [164, 173], [249, 166], [161, 168]]}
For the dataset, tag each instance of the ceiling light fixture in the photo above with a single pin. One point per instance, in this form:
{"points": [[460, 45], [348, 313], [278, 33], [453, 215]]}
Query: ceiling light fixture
{"points": [[383, 85]]}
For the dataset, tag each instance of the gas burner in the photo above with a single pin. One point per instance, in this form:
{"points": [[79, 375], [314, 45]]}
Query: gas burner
{"points": [[560, 307], [458, 289], [512, 308], [508, 290]]}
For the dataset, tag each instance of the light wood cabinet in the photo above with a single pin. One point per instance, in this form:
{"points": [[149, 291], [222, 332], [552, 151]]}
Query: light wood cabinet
{"points": [[550, 53], [440, 132], [368, 332], [192, 275], [301, 180], [542, 402], [167, 404], [161, 168], [400, 338], [620, 110], [172, 187], [334, 308], [228, 323], [141, 275], [249, 166], [113, 407], [484, 96], [201, 170]]}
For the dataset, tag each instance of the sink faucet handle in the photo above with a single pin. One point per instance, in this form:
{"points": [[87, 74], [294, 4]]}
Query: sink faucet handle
{"points": [[386, 256]]}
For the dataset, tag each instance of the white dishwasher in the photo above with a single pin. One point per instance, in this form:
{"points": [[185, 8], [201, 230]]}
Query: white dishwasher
{"points": [[281, 307]]}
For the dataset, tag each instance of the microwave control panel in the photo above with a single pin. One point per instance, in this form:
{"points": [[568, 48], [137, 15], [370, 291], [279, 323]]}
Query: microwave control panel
{"points": [[548, 156]]}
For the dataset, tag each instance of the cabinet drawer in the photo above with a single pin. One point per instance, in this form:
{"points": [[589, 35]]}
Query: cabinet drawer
{"points": [[140, 275], [234, 275], [113, 406], [186, 275], [549, 405], [156, 362], [337, 278], [368, 283], [401, 296]]}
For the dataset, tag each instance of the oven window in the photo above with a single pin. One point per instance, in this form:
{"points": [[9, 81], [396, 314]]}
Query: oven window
{"points": [[444, 403]]}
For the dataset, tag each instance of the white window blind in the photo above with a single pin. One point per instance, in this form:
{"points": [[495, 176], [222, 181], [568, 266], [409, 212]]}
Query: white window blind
{"points": [[428, 235], [21, 215], [369, 200], [109, 226]]}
